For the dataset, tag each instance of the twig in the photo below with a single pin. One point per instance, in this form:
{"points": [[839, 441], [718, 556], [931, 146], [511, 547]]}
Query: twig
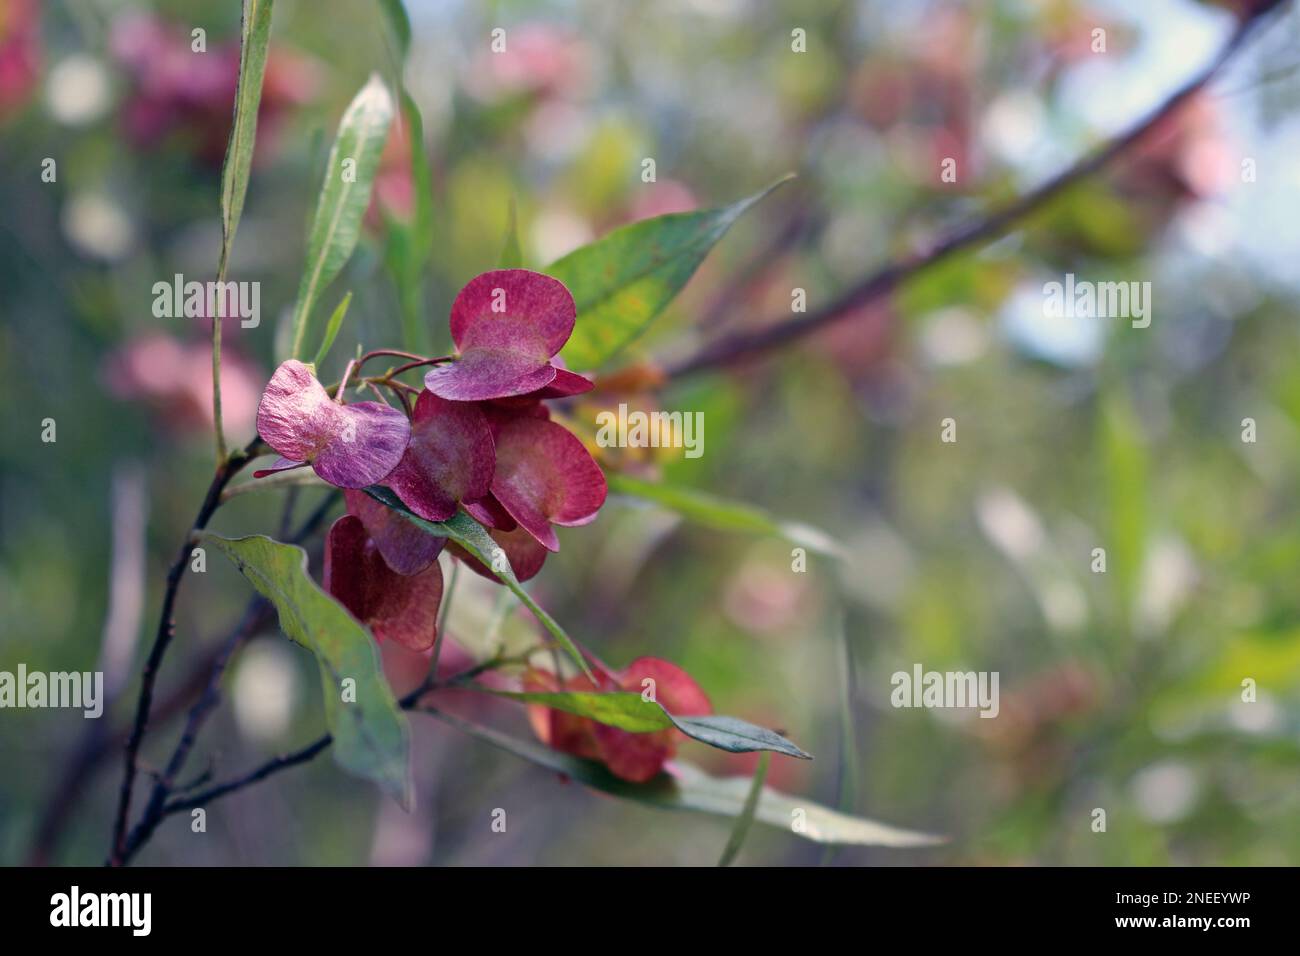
{"points": [[444, 615], [255, 616], [166, 629], [273, 766], [198, 715], [744, 345], [141, 834]]}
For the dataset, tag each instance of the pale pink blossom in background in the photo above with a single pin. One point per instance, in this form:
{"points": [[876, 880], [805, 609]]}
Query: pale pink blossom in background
{"points": [[174, 379], [175, 90], [539, 60]]}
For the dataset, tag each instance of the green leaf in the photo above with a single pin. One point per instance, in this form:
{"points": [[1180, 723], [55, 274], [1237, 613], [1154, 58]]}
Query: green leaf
{"points": [[622, 709], [256, 36], [685, 787], [692, 789], [400, 24], [410, 244], [344, 196], [627, 710], [371, 734], [746, 819], [471, 536], [332, 329], [622, 281], [723, 515], [735, 735], [511, 255]]}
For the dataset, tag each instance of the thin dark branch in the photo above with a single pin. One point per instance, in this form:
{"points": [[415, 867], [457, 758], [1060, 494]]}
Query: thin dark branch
{"points": [[272, 766], [746, 345], [141, 834], [163, 637], [198, 715], [255, 617]]}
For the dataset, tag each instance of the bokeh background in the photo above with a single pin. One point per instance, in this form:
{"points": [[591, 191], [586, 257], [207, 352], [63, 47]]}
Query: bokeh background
{"points": [[1119, 690]]}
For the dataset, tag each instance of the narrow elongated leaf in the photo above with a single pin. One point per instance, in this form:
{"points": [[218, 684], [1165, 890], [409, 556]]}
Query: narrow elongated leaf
{"points": [[622, 709], [332, 329], [399, 24], [723, 515], [746, 819], [627, 710], [371, 734], [344, 195], [471, 536], [622, 281], [410, 243], [254, 41], [847, 768], [693, 789], [684, 787], [735, 735]]}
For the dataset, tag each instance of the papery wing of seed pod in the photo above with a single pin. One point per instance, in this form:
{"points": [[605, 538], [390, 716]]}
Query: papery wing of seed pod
{"points": [[350, 446], [564, 384], [639, 757], [565, 732], [450, 458], [522, 550], [396, 607], [484, 373], [634, 757], [545, 476], [501, 411], [673, 687], [280, 464], [488, 512], [296, 415], [368, 446], [406, 548], [543, 302], [506, 325]]}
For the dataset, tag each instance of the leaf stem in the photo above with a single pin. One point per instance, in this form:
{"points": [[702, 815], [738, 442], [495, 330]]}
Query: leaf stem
{"points": [[217, 423], [352, 365], [444, 615], [746, 819]]}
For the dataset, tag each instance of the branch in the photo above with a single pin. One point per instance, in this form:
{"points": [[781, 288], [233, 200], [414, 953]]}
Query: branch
{"points": [[744, 345], [166, 630], [145, 829]]}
